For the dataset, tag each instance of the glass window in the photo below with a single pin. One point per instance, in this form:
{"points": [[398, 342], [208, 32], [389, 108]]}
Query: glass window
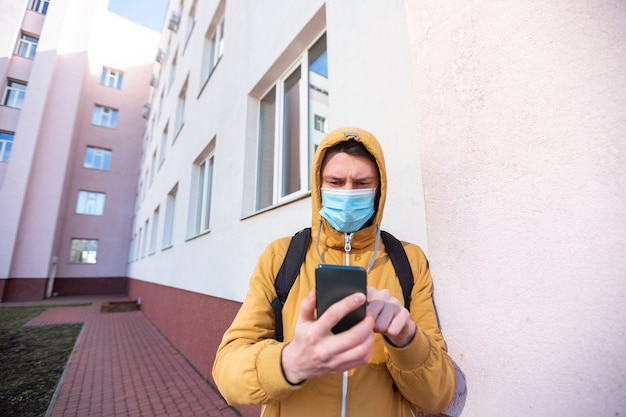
{"points": [[14, 94], [287, 127], [155, 229], [168, 227], [144, 243], [39, 6], [27, 46], [111, 78], [83, 251], [104, 116], [202, 195], [6, 143], [180, 110], [91, 203], [163, 147], [96, 158], [213, 50]]}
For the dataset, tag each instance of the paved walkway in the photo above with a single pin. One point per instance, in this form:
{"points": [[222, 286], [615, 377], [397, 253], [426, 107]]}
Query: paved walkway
{"points": [[123, 366]]}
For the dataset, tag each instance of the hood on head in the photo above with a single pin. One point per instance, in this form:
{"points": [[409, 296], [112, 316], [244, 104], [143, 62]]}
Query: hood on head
{"points": [[333, 138]]}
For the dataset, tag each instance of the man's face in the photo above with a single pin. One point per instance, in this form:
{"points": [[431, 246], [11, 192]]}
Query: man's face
{"points": [[344, 171]]}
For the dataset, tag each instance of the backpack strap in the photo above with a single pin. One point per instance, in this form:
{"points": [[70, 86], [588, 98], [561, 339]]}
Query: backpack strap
{"points": [[401, 264], [287, 274]]}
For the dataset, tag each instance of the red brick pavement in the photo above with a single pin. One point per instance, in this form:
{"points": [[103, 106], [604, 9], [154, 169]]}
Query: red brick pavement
{"points": [[123, 366]]}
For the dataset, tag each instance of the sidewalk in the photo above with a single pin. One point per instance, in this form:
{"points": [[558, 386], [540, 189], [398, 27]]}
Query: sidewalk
{"points": [[123, 366]]}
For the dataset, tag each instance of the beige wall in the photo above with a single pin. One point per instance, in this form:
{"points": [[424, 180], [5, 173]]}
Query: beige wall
{"points": [[521, 113]]}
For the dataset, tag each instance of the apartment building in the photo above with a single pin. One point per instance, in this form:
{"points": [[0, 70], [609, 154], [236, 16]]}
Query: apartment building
{"points": [[479, 109], [71, 133]]}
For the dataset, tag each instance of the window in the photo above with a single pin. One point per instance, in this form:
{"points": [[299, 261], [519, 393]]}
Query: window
{"points": [[180, 110], [96, 158], [201, 194], [152, 168], [168, 227], [91, 203], [27, 46], [39, 6], [213, 49], [172, 75], [83, 251], [111, 78], [155, 229], [287, 135], [14, 94], [6, 143], [144, 244], [191, 21], [163, 147], [320, 123], [104, 116]]}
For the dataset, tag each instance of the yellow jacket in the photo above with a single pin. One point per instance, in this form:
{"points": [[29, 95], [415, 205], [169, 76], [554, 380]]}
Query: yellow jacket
{"points": [[247, 367]]}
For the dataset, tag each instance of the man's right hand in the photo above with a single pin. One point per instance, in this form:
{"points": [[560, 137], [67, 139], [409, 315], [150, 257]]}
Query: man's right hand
{"points": [[315, 351]]}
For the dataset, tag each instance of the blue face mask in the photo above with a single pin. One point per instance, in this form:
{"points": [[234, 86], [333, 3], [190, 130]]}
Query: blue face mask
{"points": [[347, 210]]}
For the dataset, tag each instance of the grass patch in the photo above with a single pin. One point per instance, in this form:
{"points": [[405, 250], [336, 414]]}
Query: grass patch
{"points": [[31, 360]]}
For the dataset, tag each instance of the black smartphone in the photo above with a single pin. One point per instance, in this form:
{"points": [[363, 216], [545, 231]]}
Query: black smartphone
{"points": [[335, 282]]}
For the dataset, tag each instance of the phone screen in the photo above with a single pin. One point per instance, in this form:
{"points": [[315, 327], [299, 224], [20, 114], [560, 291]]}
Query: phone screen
{"points": [[335, 282]]}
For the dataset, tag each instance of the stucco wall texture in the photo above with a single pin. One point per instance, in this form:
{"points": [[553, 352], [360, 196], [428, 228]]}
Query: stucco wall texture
{"points": [[522, 114]]}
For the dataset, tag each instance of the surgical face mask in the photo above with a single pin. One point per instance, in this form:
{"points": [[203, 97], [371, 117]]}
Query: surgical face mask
{"points": [[347, 210]]}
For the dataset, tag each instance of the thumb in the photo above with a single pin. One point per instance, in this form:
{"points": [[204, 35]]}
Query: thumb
{"points": [[307, 308]]}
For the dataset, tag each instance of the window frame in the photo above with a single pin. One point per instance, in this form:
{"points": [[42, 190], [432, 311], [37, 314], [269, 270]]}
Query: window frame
{"points": [[277, 136], [27, 46], [98, 159], [14, 94], [104, 116], [39, 6], [111, 78], [90, 203], [170, 212], [201, 194], [83, 243], [6, 144]]}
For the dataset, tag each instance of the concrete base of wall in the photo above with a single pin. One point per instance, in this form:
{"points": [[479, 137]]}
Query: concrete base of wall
{"points": [[34, 289], [193, 322], [23, 289]]}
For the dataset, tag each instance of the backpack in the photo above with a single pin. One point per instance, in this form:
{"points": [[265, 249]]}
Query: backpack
{"points": [[290, 269]]}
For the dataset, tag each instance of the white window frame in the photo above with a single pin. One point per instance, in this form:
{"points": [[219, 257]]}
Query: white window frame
{"points": [[83, 251], [200, 204], [170, 211], [39, 6], [280, 161], [163, 146], [90, 203], [144, 244], [154, 231], [14, 94], [97, 158], [104, 116], [6, 143], [111, 78], [213, 50], [26, 46], [180, 110]]}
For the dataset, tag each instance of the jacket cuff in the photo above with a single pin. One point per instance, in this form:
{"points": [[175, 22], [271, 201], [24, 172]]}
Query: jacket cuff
{"points": [[413, 355], [270, 372]]}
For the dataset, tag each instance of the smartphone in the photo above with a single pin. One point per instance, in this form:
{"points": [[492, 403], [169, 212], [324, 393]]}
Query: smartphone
{"points": [[335, 282]]}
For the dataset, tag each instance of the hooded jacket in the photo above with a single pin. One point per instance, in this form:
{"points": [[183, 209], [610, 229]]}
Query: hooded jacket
{"points": [[395, 382]]}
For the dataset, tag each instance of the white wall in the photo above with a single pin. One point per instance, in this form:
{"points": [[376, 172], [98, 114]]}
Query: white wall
{"points": [[522, 135], [262, 40]]}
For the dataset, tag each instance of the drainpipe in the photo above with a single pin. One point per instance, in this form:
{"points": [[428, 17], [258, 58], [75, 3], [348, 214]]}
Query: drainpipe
{"points": [[52, 275]]}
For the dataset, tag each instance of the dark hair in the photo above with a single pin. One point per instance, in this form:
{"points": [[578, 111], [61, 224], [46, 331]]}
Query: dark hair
{"points": [[351, 147]]}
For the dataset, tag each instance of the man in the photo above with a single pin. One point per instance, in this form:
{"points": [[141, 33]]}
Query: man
{"points": [[392, 363]]}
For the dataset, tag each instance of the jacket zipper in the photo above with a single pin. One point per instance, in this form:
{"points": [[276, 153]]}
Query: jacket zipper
{"points": [[344, 380]]}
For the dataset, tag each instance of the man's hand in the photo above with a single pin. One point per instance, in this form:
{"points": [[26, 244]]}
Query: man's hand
{"points": [[390, 317], [315, 351]]}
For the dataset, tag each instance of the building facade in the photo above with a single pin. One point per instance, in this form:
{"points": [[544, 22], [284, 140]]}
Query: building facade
{"points": [[71, 131], [497, 123]]}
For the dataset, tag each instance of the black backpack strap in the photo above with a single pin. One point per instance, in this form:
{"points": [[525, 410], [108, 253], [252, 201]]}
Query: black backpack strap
{"points": [[287, 274], [401, 264]]}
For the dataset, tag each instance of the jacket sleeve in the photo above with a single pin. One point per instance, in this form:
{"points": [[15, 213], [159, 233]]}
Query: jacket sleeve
{"points": [[422, 370], [247, 367]]}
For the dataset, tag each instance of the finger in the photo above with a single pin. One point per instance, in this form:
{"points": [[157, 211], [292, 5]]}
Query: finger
{"points": [[339, 310], [307, 308]]}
